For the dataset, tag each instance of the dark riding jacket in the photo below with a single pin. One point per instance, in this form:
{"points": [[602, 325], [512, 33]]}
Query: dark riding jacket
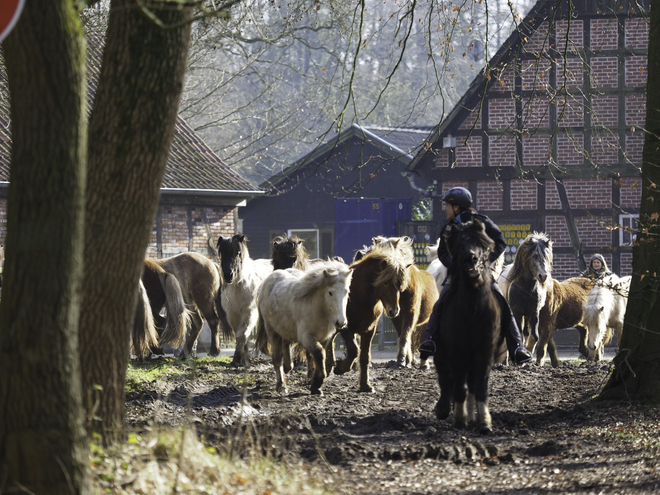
{"points": [[492, 231]]}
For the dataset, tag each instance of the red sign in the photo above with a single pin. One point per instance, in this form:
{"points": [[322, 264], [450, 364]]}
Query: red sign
{"points": [[10, 11]]}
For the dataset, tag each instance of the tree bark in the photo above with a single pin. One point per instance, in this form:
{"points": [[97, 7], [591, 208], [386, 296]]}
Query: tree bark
{"points": [[130, 133], [636, 372], [43, 446]]}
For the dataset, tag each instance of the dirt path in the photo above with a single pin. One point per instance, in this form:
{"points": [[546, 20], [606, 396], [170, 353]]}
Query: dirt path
{"points": [[548, 437]]}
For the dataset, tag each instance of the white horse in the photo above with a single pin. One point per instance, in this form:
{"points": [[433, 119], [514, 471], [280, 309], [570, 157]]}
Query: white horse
{"points": [[604, 313], [242, 278], [306, 308]]}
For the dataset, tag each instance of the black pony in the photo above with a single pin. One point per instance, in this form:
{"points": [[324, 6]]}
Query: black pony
{"points": [[469, 328]]}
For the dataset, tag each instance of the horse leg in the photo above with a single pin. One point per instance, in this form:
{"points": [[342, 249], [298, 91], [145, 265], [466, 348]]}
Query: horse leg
{"points": [[365, 360], [443, 370], [286, 356], [552, 350], [480, 384], [582, 344], [196, 324], [460, 399], [344, 365], [277, 347], [316, 361], [545, 332], [330, 354]]}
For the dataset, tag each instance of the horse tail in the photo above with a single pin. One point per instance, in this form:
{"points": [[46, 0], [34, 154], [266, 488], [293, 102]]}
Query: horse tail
{"points": [[144, 336], [228, 333], [261, 337], [178, 316]]}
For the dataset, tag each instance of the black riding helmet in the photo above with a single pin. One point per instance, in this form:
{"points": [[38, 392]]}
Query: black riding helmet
{"points": [[459, 196]]}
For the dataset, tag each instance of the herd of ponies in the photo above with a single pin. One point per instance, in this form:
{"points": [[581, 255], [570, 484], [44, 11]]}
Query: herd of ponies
{"points": [[294, 305]]}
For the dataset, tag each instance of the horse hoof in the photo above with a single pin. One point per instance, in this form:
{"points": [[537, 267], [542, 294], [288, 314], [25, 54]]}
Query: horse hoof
{"points": [[367, 390], [282, 390], [214, 352], [484, 429], [317, 391], [442, 410]]}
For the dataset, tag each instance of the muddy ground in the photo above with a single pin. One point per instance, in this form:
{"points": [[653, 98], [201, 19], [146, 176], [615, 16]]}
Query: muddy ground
{"points": [[548, 436]]}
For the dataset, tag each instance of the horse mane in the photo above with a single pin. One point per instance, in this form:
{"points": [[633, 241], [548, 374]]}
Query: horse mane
{"points": [[321, 275], [395, 266], [432, 251], [403, 244], [536, 241]]}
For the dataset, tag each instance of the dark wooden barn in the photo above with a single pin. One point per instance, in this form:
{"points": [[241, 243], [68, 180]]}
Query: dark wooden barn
{"points": [[549, 135], [357, 173]]}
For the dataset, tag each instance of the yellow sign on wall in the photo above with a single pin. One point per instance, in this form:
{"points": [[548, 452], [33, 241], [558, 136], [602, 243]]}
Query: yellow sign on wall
{"points": [[515, 233]]}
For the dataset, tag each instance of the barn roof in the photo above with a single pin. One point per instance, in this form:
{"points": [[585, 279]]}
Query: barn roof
{"points": [[192, 167], [397, 144]]}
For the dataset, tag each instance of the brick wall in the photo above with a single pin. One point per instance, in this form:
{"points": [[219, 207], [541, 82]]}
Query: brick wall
{"points": [[539, 40], [634, 146], [536, 114], [524, 195], [594, 232], [589, 193], [626, 264], [441, 159], [556, 228], [536, 150], [569, 35], [175, 229], [570, 73], [564, 266], [502, 150], [501, 113], [630, 191], [570, 149], [535, 75], [604, 34], [636, 109], [605, 110], [637, 33], [636, 71], [489, 195], [502, 80], [570, 111], [604, 147], [473, 120], [468, 154], [604, 72]]}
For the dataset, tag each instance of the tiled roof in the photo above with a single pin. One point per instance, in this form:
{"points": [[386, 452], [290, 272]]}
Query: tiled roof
{"points": [[398, 144], [191, 165]]}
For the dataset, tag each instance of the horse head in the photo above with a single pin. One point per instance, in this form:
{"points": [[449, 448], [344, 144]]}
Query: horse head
{"points": [[232, 251], [469, 246], [338, 281], [534, 258], [288, 252]]}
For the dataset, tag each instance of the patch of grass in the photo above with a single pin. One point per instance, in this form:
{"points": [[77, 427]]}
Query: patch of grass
{"points": [[171, 369], [174, 461]]}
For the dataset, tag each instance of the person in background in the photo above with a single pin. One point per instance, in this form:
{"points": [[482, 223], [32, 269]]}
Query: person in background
{"points": [[458, 206], [597, 268]]}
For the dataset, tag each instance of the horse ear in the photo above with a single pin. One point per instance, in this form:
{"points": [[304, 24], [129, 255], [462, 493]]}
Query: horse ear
{"points": [[395, 243], [241, 237]]}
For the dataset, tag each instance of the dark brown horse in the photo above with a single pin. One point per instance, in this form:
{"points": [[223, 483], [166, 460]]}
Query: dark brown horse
{"points": [[199, 280], [416, 302], [469, 328], [289, 252], [378, 280]]}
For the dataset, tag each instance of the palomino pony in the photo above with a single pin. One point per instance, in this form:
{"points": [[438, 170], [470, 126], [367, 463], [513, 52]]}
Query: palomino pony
{"points": [[306, 308], [377, 282], [604, 313], [242, 277], [416, 302], [469, 328], [199, 281], [144, 337], [526, 282]]}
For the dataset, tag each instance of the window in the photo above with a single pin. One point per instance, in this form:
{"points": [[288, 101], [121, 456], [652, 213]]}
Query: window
{"points": [[628, 231], [311, 239]]}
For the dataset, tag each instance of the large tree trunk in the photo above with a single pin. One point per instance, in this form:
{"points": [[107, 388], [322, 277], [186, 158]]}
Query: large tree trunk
{"points": [[43, 446], [130, 133], [637, 365]]}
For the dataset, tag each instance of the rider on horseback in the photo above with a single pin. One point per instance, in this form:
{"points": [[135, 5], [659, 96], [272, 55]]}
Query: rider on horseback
{"points": [[458, 202]]}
